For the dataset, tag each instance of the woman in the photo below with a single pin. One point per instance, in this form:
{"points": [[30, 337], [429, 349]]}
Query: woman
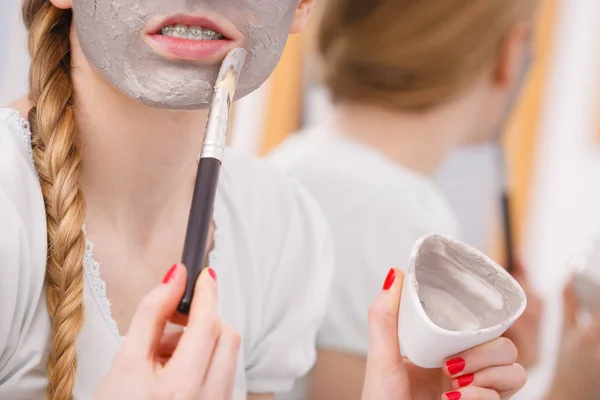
{"points": [[114, 146], [409, 81], [114, 120]]}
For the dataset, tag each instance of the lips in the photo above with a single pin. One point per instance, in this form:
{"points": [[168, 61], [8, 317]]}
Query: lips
{"points": [[191, 20], [192, 37]]}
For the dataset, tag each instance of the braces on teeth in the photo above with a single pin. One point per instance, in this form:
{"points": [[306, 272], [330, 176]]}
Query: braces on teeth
{"points": [[194, 32]]}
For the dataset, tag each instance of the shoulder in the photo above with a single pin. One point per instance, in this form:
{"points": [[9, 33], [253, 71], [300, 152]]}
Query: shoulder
{"points": [[22, 207], [20, 192], [272, 215], [238, 167], [299, 149], [311, 152], [328, 168], [257, 187], [15, 142], [17, 170], [23, 243]]}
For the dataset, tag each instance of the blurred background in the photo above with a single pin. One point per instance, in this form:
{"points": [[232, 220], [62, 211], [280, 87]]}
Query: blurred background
{"points": [[552, 143]]}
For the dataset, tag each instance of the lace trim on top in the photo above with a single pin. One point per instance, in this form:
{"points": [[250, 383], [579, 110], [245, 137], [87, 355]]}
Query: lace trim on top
{"points": [[91, 266]]}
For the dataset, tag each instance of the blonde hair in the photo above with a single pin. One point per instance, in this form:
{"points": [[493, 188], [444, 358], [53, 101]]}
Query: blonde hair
{"points": [[412, 54], [58, 160]]}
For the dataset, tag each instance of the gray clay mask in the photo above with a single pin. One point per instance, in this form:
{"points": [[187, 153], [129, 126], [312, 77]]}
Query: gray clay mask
{"points": [[113, 35], [460, 291]]}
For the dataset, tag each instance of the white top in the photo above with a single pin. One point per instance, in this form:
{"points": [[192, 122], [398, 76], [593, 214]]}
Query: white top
{"points": [[376, 209], [272, 252]]}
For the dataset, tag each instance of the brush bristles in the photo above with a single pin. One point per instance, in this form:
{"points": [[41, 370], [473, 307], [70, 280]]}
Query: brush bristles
{"points": [[230, 70], [228, 83]]}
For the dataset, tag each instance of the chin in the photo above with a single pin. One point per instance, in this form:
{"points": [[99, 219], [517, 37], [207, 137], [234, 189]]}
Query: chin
{"points": [[179, 105], [191, 100], [179, 102]]}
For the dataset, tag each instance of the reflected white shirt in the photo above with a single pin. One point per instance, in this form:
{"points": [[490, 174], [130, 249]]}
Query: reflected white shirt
{"points": [[376, 209]]}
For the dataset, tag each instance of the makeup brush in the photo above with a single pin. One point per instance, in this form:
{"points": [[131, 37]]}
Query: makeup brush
{"points": [[209, 166], [501, 159], [505, 210]]}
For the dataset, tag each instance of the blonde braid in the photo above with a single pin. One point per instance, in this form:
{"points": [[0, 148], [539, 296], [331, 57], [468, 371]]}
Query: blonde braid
{"points": [[58, 160]]}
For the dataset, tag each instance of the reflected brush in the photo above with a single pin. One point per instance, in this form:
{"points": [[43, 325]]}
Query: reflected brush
{"points": [[505, 209], [209, 167]]}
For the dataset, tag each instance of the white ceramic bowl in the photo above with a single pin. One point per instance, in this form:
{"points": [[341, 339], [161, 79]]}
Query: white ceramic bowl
{"points": [[454, 298]]}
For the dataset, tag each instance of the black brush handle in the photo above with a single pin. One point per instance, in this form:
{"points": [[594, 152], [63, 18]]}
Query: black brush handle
{"points": [[198, 229], [508, 234]]}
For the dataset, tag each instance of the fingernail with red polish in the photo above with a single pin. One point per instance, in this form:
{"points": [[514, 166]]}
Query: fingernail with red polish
{"points": [[453, 395], [212, 273], [455, 366], [170, 275], [389, 279], [465, 380]]}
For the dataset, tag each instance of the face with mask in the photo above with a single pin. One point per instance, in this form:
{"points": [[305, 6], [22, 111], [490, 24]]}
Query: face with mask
{"points": [[167, 53]]}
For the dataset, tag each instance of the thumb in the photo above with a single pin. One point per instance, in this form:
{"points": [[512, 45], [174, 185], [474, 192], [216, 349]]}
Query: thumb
{"points": [[384, 345], [148, 323]]}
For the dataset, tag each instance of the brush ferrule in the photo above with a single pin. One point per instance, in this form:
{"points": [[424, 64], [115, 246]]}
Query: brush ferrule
{"points": [[217, 126], [215, 138]]}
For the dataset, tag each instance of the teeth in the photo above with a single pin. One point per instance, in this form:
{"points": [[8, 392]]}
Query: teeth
{"points": [[196, 30], [180, 31], [192, 33]]}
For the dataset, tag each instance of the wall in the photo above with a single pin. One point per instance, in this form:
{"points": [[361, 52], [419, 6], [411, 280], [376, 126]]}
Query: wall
{"points": [[6, 18], [14, 59]]}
